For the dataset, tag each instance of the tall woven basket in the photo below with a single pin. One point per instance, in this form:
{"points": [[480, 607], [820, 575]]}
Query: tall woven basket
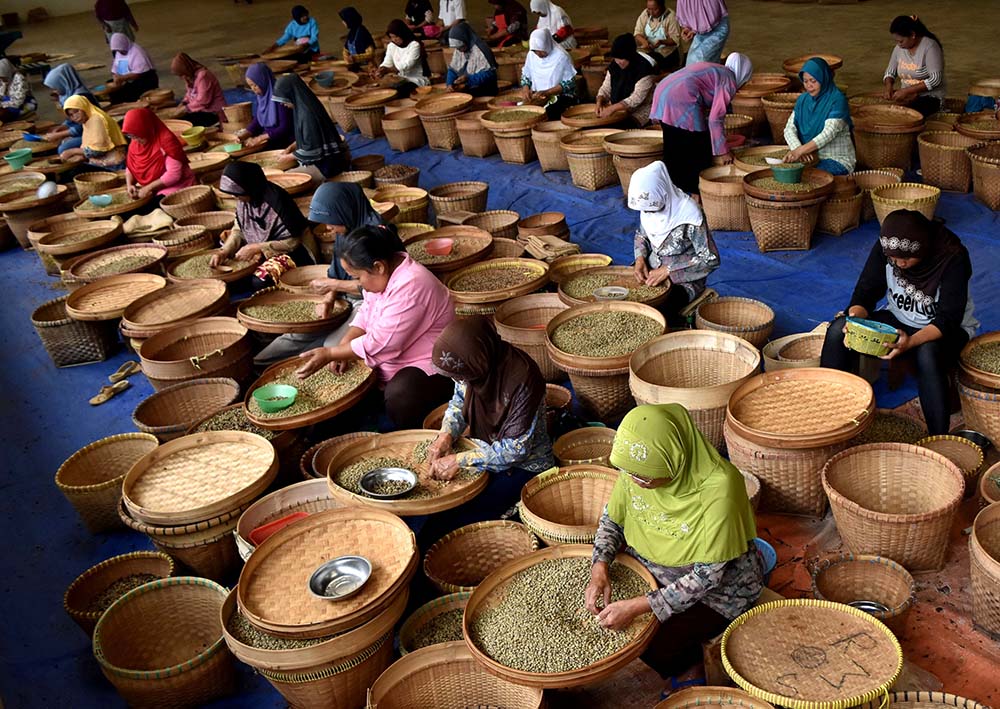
{"points": [[868, 180], [750, 319], [404, 130], [980, 408], [625, 166], [884, 149], [477, 140], [70, 342], [546, 136], [723, 199], [985, 158], [906, 195], [442, 132], [783, 226], [943, 160], [521, 322], [838, 215], [984, 562], [778, 107], [847, 578]]}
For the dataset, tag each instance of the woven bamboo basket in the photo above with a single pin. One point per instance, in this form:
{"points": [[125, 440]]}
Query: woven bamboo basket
{"points": [[625, 167], [838, 215], [409, 631], [368, 108], [584, 446], [943, 160], [565, 266], [466, 196], [546, 137], [739, 124], [447, 675], [97, 183], [906, 195], [969, 371], [744, 317], [590, 165], [806, 345], [962, 452], [600, 383], [168, 413], [185, 241], [208, 347], [238, 112], [460, 560], [316, 460], [848, 578], [777, 108], [985, 159], [307, 496], [513, 138], [364, 178], [889, 148], [543, 224], [404, 130], [712, 696], [697, 369], [442, 130], [752, 107], [336, 107], [521, 322], [161, 644], [189, 201], [477, 140], [895, 500], [752, 484], [70, 342], [922, 699], [91, 479], [72, 238], [984, 561], [868, 180], [723, 199], [398, 174], [215, 222], [92, 583], [564, 506], [783, 226], [501, 224], [412, 202]]}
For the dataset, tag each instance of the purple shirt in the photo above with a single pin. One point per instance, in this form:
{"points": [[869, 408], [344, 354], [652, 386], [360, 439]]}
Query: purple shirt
{"points": [[696, 98], [279, 135], [701, 16]]}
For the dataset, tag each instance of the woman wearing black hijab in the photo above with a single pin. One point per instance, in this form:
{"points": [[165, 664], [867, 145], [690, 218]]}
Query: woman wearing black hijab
{"points": [[318, 147], [420, 18], [629, 83], [359, 47], [922, 270]]}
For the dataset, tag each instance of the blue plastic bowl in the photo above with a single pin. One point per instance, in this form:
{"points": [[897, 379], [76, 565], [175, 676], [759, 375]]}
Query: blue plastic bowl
{"points": [[769, 556], [100, 200], [325, 79]]}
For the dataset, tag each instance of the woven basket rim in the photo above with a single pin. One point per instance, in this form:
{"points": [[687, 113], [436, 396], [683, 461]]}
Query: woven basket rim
{"points": [[173, 389], [424, 613], [141, 554], [828, 562], [94, 446], [961, 441], [441, 544]]}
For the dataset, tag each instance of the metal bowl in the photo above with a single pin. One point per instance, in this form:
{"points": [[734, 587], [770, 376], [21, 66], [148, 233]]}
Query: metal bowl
{"points": [[869, 606], [340, 578], [370, 481], [611, 293], [976, 437]]}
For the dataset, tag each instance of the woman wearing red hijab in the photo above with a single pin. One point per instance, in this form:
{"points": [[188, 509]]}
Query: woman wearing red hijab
{"points": [[156, 162]]}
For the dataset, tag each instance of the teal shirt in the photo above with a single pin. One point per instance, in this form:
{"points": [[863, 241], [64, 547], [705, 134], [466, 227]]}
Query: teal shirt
{"points": [[296, 31]]}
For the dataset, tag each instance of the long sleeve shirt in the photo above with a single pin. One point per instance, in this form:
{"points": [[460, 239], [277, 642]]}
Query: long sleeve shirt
{"points": [[279, 135], [16, 93], [950, 311], [451, 11], [205, 94], [688, 252], [924, 64], [639, 102], [531, 451], [176, 176], [683, 99], [833, 142], [294, 31], [729, 587], [402, 322], [406, 61]]}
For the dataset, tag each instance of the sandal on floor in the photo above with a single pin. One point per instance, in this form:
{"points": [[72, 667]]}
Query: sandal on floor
{"points": [[676, 686], [107, 392], [125, 371]]}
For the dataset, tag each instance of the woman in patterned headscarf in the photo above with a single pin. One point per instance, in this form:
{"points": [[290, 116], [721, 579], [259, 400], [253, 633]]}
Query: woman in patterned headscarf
{"points": [[473, 69]]}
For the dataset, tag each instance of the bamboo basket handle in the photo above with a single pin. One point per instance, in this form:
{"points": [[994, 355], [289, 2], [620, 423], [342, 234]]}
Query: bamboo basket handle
{"points": [[860, 417], [368, 702], [198, 359]]}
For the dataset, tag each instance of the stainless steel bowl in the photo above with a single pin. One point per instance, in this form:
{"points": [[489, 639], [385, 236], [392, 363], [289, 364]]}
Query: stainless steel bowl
{"points": [[976, 437], [370, 481], [340, 578], [872, 607], [611, 293]]}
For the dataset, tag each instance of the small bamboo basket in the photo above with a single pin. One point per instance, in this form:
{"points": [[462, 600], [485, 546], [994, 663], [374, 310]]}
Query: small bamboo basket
{"points": [[70, 342], [189, 201], [521, 322], [564, 506], [848, 578], [744, 317], [412, 202], [963, 453], [980, 408], [546, 137], [585, 446], [501, 224], [404, 175], [460, 560], [477, 140], [169, 413], [984, 562], [410, 630], [985, 159], [906, 195], [778, 107], [403, 130], [469, 196], [90, 183], [839, 215], [944, 163], [723, 199]]}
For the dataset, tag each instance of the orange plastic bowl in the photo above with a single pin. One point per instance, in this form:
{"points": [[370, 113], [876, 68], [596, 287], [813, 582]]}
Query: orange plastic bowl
{"points": [[440, 247]]}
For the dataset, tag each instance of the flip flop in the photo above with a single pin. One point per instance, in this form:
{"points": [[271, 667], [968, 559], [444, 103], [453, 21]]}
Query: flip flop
{"points": [[125, 371], [107, 392], [676, 686]]}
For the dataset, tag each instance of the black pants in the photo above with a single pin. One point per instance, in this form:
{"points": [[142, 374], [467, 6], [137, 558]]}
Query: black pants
{"points": [[677, 643], [202, 118], [132, 90], [927, 105], [488, 88], [686, 153], [554, 111], [677, 299], [412, 394], [934, 362]]}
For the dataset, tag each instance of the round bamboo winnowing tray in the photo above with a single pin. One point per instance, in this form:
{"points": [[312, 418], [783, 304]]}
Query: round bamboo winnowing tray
{"points": [[339, 312], [173, 304], [328, 410], [298, 280], [107, 298], [801, 408], [470, 246], [400, 444], [121, 205], [538, 279], [622, 276], [197, 477], [494, 586], [806, 654], [274, 590]]}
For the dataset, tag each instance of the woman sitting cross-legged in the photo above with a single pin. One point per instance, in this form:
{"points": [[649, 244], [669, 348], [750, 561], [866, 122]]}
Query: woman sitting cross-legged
{"points": [[473, 69], [821, 122]]}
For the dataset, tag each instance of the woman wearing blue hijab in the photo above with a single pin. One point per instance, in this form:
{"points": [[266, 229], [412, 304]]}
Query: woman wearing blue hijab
{"points": [[821, 122], [64, 81]]}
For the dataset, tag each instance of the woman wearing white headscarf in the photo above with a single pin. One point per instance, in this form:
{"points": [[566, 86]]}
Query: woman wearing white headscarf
{"points": [[549, 75], [672, 242], [691, 105], [15, 92], [553, 18]]}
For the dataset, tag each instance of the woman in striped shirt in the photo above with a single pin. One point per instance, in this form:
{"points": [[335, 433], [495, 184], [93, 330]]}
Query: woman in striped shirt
{"points": [[821, 122], [918, 62]]}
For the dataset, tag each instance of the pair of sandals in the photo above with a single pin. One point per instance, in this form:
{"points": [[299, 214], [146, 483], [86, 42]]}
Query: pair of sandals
{"points": [[119, 383]]}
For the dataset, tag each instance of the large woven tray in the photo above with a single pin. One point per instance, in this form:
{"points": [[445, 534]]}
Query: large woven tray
{"points": [[400, 444], [623, 276], [65, 242], [801, 408], [470, 246], [221, 276], [198, 477], [806, 654], [85, 209], [492, 589], [307, 419], [84, 266], [28, 198], [585, 115], [107, 298], [634, 143], [173, 304], [271, 160], [298, 280], [540, 268], [272, 296], [273, 591], [820, 181]]}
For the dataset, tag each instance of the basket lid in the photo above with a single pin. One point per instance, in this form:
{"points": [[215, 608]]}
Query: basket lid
{"points": [[79, 237], [801, 408], [28, 198], [107, 298], [258, 321], [443, 104], [197, 477], [207, 161], [521, 275], [273, 591], [634, 143], [586, 142], [807, 654], [175, 302], [298, 279]]}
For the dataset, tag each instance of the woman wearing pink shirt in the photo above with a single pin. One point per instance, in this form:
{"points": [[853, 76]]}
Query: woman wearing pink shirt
{"points": [[405, 308], [203, 98], [156, 163]]}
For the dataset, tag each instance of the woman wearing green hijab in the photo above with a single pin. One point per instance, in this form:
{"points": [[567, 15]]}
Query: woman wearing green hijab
{"points": [[682, 510]]}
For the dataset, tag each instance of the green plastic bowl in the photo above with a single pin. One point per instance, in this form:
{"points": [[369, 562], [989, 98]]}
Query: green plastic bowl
{"points": [[275, 397], [790, 174], [232, 147], [18, 158]]}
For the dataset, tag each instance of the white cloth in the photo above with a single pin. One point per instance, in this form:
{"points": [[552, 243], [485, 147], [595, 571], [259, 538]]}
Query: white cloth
{"points": [[6, 69], [552, 18], [452, 11], [741, 66], [661, 204], [551, 70], [406, 62], [469, 62]]}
